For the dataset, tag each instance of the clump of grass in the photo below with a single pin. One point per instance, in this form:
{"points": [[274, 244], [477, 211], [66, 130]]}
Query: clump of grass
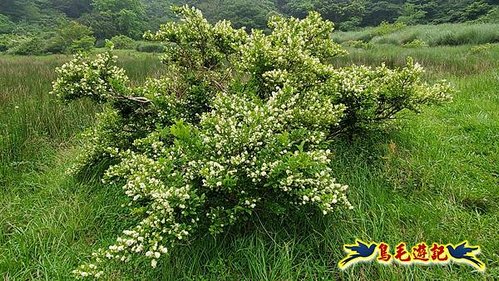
{"points": [[367, 34], [480, 49], [440, 61], [358, 44], [453, 34], [364, 35], [33, 123], [150, 47], [416, 43], [386, 28]]}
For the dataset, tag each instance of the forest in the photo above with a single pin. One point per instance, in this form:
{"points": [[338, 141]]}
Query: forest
{"points": [[108, 18], [35, 27]]}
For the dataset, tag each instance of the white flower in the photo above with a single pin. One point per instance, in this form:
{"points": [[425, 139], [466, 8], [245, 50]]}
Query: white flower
{"points": [[163, 250]]}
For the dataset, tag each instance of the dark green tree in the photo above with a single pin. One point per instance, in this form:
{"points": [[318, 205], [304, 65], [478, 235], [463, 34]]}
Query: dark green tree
{"points": [[379, 11], [412, 14], [112, 17], [248, 13], [72, 8], [475, 10]]}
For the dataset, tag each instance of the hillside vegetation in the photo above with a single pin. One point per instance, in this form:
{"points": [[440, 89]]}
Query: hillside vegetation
{"points": [[35, 27]]}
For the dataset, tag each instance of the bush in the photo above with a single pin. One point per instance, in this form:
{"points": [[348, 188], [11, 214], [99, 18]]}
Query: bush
{"points": [[416, 43], [359, 44], [100, 43], [83, 44], [54, 43], [375, 95], [69, 38], [123, 42], [480, 49], [8, 41], [455, 38], [150, 47], [385, 28], [409, 38], [491, 17], [30, 46], [240, 125]]}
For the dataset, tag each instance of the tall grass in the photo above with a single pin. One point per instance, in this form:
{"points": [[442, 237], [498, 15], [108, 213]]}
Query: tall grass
{"points": [[440, 61], [30, 120], [433, 35], [33, 123]]}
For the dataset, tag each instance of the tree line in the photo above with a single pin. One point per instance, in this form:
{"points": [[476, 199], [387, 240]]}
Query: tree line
{"points": [[108, 18]]}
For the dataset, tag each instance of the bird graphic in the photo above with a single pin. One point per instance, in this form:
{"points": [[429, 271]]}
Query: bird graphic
{"points": [[465, 253], [358, 252]]}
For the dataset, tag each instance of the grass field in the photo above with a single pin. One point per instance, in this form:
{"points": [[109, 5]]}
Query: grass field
{"points": [[433, 35], [434, 179]]}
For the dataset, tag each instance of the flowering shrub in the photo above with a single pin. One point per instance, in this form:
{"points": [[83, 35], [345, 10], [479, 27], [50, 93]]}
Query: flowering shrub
{"points": [[241, 124]]}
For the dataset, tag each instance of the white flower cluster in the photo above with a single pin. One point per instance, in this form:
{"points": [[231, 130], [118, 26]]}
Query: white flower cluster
{"points": [[96, 79], [243, 149], [373, 95], [296, 52], [196, 44]]}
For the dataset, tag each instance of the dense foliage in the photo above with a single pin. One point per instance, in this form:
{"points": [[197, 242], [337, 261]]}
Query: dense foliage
{"points": [[112, 17], [123, 42], [240, 125], [69, 38], [38, 20]]}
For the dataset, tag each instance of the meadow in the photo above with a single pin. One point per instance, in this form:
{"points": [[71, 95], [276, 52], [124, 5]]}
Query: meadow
{"points": [[435, 178], [432, 35]]}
